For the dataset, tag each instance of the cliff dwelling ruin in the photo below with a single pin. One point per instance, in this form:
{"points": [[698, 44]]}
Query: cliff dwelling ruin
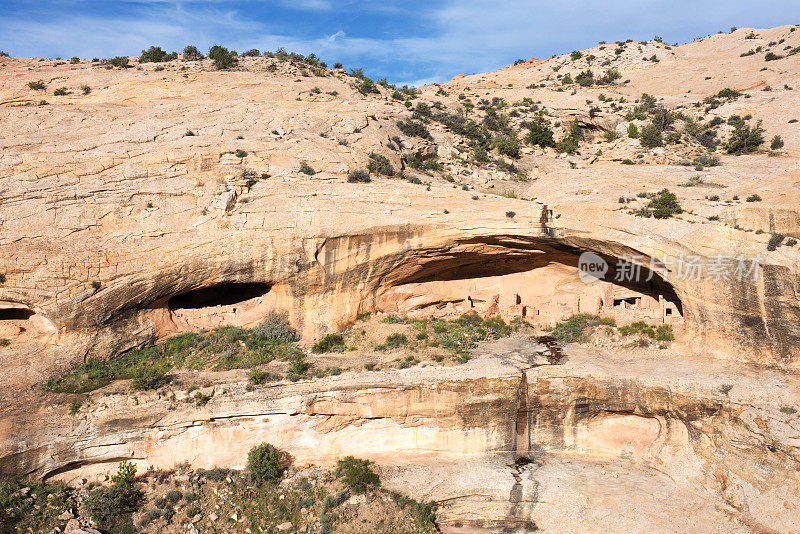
{"points": [[538, 285]]}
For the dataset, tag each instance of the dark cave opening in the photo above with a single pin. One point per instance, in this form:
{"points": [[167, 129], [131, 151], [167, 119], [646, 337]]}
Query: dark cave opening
{"points": [[218, 295], [15, 314]]}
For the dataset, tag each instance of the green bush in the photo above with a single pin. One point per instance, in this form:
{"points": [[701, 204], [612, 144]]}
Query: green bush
{"points": [[38, 85], [173, 496], [585, 78], [633, 131], [395, 341], [357, 475], [149, 377], [772, 56], [275, 328], [567, 79], [637, 327], [367, 86], [414, 128], [571, 141], [257, 376], [575, 55], [777, 143], [745, 139], [573, 329], [329, 343], [539, 131], [121, 62], [664, 333], [662, 206], [379, 164], [305, 168], [651, 137], [266, 464], [112, 506], [191, 53], [223, 58], [753, 198], [507, 145], [154, 54], [358, 176], [775, 241], [61, 91]]}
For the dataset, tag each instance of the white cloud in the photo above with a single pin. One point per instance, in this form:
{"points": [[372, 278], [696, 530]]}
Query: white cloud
{"points": [[430, 42]]}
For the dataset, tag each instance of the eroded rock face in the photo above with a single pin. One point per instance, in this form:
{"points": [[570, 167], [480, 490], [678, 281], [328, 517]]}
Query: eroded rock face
{"points": [[105, 221], [501, 414]]}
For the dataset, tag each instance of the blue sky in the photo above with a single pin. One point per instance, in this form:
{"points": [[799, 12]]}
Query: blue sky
{"points": [[408, 41]]}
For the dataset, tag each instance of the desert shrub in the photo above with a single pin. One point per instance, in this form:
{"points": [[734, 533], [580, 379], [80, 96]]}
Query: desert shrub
{"points": [[253, 52], [507, 145], [610, 76], [357, 474], [154, 54], [223, 58], [706, 160], [257, 376], [573, 329], [85, 89], [191, 53], [567, 79], [395, 341], [201, 399], [539, 131], [662, 118], [585, 78], [3, 53], [367, 86], [275, 327], [61, 91], [480, 154], [664, 333], [772, 56], [651, 137], [744, 139], [149, 377], [575, 55], [119, 62], [777, 143], [112, 506], [380, 164], [414, 128], [729, 93], [775, 241], [266, 464], [611, 135], [637, 327], [358, 176], [662, 206], [753, 198], [239, 153], [571, 141], [329, 343], [38, 85], [173, 496], [305, 168], [633, 131]]}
